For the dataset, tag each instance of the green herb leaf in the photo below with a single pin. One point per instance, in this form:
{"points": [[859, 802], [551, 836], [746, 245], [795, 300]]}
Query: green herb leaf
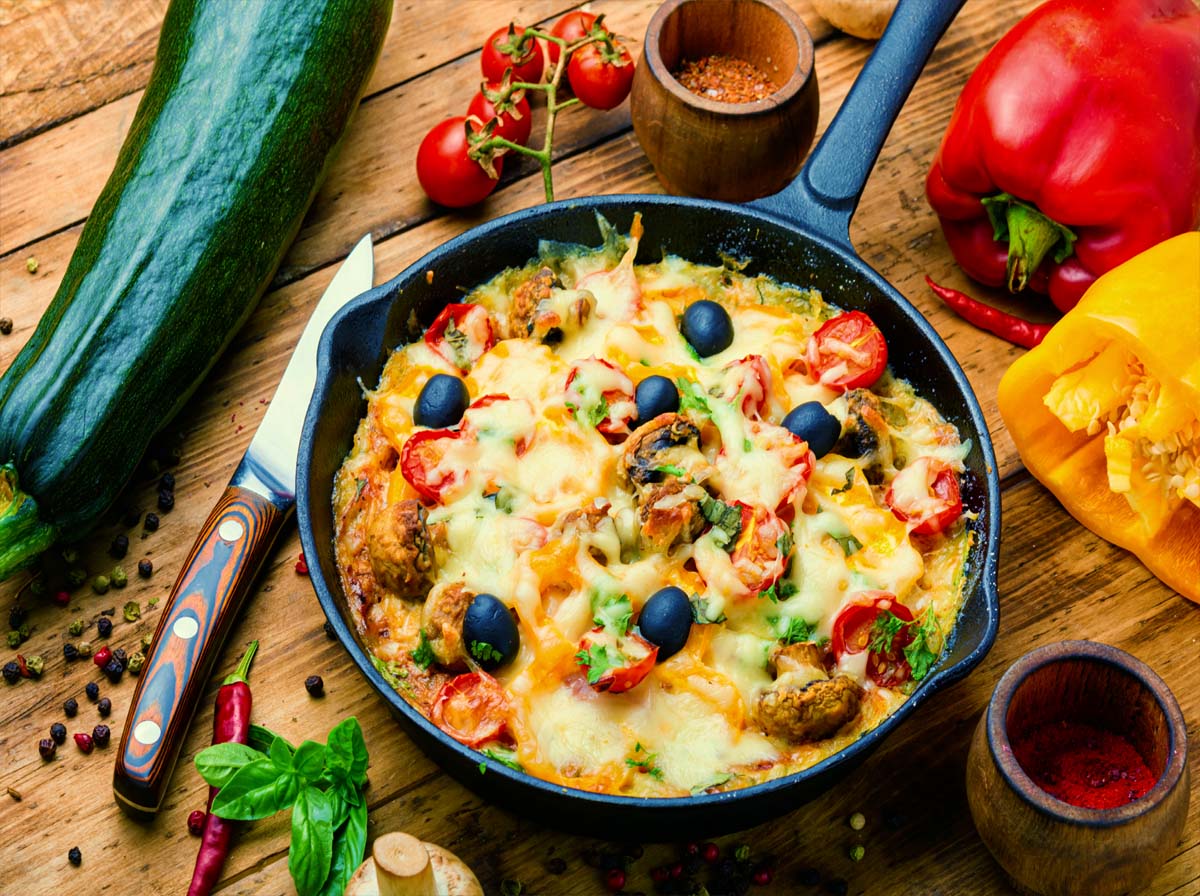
{"points": [[347, 752], [644, 762], [349, 846], [598, 412], [884, 630], [720, 779], [849, 483], [311, 852], [850, 544], [392, 673], [261, 738], [256, 790], [281, 753], [796, 631], [423, 655], [671, 470], [309, 761], [458, 342], [613, 613], [785, 543], [598, 661], [691, 396], [920, 654], [787, 588], [702, 613], [725, 517], [770, 594], [747, 445], [504, 756], [218, 763]]}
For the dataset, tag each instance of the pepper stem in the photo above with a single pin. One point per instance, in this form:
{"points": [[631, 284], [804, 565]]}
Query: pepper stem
{"points": [[23, 533], [1031, 236], [242, 672]]}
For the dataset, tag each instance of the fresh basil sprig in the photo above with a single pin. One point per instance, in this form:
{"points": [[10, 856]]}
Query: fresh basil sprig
{"points": [[321, 783]]}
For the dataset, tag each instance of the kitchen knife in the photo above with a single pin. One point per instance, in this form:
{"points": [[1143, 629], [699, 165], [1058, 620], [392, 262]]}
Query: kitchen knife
{"points": [[221, 567]]}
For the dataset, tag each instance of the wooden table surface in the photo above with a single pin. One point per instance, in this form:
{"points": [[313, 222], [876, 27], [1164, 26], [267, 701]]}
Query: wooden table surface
{"points": [[71, 73]]}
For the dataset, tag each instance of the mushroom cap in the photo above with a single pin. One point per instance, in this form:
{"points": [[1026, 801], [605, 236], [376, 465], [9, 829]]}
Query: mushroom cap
{"points": [[412, 876]]}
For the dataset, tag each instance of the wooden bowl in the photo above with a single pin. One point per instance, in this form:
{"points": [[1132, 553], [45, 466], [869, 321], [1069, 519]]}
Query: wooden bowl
{"points": [[1051, 847], [729, 151]]}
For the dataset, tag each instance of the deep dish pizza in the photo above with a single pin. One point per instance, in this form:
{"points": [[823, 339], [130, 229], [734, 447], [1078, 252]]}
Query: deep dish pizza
{"points": [[650, 529]]}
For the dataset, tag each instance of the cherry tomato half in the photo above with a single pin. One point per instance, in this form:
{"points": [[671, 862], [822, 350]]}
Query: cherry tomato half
{"points": [[625, 659], [854, 629], [748, 380], [925, 491], [571, 27], [596, 81], [461, 333], [479, 420], [447, 175], [493, 61], [471, 708], [847, 352], [758, 557], [514, 124], [595, 386], [792, 451], [420, 462]]}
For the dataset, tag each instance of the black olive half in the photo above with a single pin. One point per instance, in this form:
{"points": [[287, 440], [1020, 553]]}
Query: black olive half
{"points": [[666, 620], [655, 395], [441, 402], [706, 325], [490, 632], [811, 422]]}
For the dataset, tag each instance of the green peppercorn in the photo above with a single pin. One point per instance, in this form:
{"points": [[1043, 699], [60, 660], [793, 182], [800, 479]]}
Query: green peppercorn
{"points": [[14, 640], [100, 584], [24, 631], [31, 264], [84, 648], [75, 629], [858, 821], [38, 587], [147, 640], [118, 577], [857, 852], [133, 611], [36, 665], [76, 577], [70, 556], [136, 661]]}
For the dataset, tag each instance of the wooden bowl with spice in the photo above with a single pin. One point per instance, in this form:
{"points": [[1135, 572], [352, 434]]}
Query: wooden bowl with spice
{"points": [[1077, 777], [725, 98]]}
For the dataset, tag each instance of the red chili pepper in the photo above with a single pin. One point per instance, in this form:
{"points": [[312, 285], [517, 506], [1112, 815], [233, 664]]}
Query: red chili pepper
{"points": [[1075, 145], [231, 724], [1005, 325]]}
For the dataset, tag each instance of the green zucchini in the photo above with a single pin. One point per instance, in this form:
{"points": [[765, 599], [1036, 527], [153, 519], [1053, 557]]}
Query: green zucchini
{"points": [[243, 112]]}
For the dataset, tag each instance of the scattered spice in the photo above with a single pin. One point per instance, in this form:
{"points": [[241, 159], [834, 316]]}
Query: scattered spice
{"points": [[70, 707], [145, 568], [167, 483], [857, 851], [100, 584], [15, 794], [102, 656], [132, 611], [74, 856], [104, 626], [34, 666], [614, 879], [195, 822], [146, 641], [105, 707], [151, 523], [136, 662], [84, 742], [84, 648], [858, 821], [726, 79], [114, 670], [121, 657], [166, 501], [70, 652], [6, 325], [14, 639], [12, 672], [31, 264], [16, 616], [75, 578], [301, 565], [75, 629], [315, 686], [118, 577], [58, 731], [329, 631], [119, 547], [92, 690], [1083, 765], [101, 735]]}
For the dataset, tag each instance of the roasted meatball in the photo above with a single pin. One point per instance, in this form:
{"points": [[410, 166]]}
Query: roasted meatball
{"points": [[804, 704], [654, 444], [401, 549], [670, 514], [442, 623]]}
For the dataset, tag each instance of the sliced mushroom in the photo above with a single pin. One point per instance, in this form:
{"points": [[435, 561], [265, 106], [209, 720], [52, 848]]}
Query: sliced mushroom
{"points": [[865, 433], [544, 311], [670, 514], [804, 703], [402, 865], [401, 550], [442, 623], [658, 443]]}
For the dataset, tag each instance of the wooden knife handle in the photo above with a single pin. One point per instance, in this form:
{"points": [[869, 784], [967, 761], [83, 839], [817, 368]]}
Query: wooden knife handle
{"points": [[213, 584]]}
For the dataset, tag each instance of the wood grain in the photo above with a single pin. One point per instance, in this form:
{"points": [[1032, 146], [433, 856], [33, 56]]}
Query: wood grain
{"points": [[1057, 579]]}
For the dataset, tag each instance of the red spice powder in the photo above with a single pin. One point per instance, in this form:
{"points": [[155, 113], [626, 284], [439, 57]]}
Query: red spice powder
{"points": [[1082, 765], [725, 79]]}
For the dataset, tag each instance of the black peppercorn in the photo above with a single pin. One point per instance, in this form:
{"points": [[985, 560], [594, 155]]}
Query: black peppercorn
{"points": [[114, 670], [145, 568], [58, 731], [100, 735], [329, 632], [167, 483], [12, 671], [16, 616], [105, 707], [121, 657], [70, 707], [70, 652], [151, 523], [119, 547], [104, 626], [47, 748], [166, 500], [74, 856], [315, 686], [6, 324], [92, 690]]}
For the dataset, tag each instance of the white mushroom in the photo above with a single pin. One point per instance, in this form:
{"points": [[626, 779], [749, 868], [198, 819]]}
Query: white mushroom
{"points": [[402, 865], [862, 18]]}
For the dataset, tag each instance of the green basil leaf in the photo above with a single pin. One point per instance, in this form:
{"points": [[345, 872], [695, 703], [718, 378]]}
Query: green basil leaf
{"points": [[309, 760], [338, 804], [281, 752], [261, 738], [218, 763], [311, 850], [349, 846], [255, 792], [348, 751]]}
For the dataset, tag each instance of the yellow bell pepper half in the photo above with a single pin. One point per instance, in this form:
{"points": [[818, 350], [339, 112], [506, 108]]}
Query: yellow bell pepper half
{"points": [[1106, 411]]}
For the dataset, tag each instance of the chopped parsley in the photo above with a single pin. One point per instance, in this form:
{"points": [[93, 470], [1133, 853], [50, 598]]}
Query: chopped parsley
{"points": [[747, 445], [485, 652], [919, 653], [612, 613], [849, 483], [785, 543], [423, 655], [781, 589], [504, 756], [502, 498], [850, 544], [725, 517], [598, 661], [884, 630], [644, 763], [671, 470], [598, 412], [457, 340], [723, 778], [692, 397], [391, 672], [702, 611], [796, 632]]}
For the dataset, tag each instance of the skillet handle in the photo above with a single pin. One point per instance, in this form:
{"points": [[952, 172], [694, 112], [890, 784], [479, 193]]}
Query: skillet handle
{"points": [[825, 193]]}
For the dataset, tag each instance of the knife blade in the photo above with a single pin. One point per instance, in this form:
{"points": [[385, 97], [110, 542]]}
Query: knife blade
{"points": [[219, 570]]}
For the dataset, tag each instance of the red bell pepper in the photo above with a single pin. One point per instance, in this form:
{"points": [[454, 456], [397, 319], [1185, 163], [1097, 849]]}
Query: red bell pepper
{"points": [[1075, 145]]}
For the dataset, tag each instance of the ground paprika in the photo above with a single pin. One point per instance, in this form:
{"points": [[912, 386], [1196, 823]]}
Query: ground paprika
{"points": [[1083, 765]]}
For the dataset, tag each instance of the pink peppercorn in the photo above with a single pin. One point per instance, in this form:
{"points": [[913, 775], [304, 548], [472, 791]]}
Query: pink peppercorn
{"points": [[102, 656], [84, 742], [196, 823], [614, 879]]}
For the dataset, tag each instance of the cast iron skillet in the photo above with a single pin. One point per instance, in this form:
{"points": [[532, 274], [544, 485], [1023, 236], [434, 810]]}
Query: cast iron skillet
{"points": [[801, 236]]}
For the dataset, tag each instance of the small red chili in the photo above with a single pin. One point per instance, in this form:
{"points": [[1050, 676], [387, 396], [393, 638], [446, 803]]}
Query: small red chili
{"points": [[1001, 323], [102, 656], [84, 742]]}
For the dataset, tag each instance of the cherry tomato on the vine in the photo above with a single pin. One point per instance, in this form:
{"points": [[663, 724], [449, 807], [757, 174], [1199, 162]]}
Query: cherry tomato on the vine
{"points": [[527, 67], [598, 82], [514, 124], [447, 175], [571, 27]]}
